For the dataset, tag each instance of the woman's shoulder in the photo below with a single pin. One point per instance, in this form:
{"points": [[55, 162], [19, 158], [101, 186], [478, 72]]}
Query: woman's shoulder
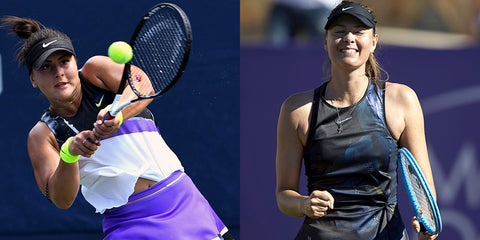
{"points": [[39, 132], [298, 100], [95, 62], [401, 96], [91, 68], [296, 108], [399, 91], [100, 70]]}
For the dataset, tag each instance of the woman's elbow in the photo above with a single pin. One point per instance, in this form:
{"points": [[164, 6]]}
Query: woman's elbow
{"points": [[64, 204]]}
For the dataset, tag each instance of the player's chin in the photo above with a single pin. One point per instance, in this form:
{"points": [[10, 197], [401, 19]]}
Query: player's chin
{"points": [[63, 93], [350, 63]]}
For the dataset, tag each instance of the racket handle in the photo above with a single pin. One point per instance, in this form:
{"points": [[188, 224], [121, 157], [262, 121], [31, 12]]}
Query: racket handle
{"points": [[108, 116], [94, 142], [422, 227]]}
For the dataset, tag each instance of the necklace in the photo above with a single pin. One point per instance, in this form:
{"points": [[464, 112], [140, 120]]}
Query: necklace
{"points": [[339, 120]]}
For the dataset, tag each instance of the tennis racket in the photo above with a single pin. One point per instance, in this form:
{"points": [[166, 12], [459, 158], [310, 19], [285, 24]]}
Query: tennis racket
{"points": [[420, 195], [161, 46]]}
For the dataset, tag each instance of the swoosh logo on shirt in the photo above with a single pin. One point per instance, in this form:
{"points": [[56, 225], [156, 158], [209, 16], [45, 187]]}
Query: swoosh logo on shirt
{"points": [[100, 102], [345, 9], [44, 45], [338, 122]]}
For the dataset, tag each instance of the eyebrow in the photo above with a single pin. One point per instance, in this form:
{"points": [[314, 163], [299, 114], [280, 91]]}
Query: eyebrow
{"points": [[62, 56]]}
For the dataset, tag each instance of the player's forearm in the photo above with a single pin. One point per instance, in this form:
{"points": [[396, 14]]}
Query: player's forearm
{"points": [[291, 203], [135, 109], [63, 185]]}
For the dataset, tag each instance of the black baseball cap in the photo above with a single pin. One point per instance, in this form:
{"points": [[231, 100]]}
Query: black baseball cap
{"points": [[43, 49], [354, 9]]}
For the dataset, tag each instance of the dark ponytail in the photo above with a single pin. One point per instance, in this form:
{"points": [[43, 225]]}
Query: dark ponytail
{"points": [[30, 30]]}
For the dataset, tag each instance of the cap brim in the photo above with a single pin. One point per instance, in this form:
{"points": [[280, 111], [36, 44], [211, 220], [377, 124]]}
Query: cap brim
{"points": [[353, 9], [363, 19], [360, 17], [40, 60]]}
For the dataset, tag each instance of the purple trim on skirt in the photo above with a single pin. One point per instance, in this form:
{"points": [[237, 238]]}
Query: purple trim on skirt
{"points": [[136, 125], [157, 187], [171, 209]]}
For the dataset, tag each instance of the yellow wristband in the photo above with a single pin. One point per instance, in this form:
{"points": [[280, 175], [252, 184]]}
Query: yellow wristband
{"points": [[65, 153], [120, 117]]}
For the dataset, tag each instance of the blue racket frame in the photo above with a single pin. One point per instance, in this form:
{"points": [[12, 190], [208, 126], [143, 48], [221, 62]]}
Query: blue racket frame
{"points": [[411, 194]]}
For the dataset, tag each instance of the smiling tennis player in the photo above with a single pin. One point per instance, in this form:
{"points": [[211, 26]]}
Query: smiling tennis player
{"points": [[348, 131]]}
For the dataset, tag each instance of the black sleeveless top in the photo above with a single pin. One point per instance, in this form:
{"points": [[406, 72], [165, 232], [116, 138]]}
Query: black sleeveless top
{"points": [[94, 99], [351, 154]]}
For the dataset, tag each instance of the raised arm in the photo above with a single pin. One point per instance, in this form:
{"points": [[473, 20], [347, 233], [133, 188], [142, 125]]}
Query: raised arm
{"points": [[106, 74]]}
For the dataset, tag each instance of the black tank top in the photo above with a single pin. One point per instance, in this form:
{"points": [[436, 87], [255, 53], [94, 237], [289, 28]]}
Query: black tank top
{"points": [[357, 166], [93, 100]]}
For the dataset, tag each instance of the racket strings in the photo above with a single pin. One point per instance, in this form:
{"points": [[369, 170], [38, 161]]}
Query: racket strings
{"points": [[420, 195], [159, 49], [141, 82]]}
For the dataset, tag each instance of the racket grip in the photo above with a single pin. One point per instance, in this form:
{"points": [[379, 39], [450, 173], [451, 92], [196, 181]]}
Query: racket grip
{"points": [[422, 227], [94, 142], [108, 116]]}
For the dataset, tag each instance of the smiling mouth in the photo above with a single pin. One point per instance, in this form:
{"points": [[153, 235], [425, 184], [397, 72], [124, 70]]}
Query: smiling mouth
{"points": [[348, 50]]}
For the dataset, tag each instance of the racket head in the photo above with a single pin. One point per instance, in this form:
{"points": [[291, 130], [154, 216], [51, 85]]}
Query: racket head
{"points": [[161, 46], [421, 197]]}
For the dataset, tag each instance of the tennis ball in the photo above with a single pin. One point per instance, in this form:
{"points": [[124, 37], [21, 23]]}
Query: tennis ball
{"points": [[120, 52]]}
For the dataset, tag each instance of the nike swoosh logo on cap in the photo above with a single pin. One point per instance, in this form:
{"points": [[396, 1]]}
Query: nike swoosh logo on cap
{"points": [[44, 45], [345, 9]]}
